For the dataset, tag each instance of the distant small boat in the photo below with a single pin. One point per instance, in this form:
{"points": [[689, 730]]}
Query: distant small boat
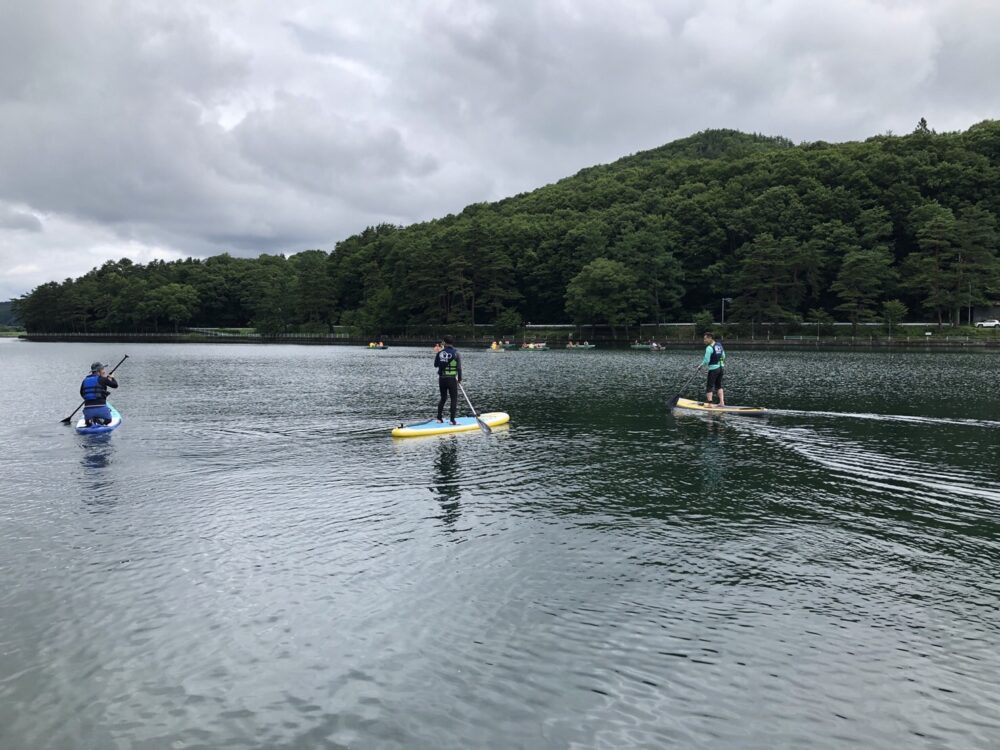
{"points": [[581, 346], [534, 347]]}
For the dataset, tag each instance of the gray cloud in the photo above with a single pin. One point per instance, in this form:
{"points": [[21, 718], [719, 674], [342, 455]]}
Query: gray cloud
{"points": [[189, 128], [15, 219], [327, 153]]}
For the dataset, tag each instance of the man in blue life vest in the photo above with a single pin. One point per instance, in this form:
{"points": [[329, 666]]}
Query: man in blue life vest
{"points": [[714, 361], [94, 391], [449, 367]]}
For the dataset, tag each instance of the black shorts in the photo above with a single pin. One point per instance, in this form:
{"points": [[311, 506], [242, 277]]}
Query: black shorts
{"points": [[714, 381]]}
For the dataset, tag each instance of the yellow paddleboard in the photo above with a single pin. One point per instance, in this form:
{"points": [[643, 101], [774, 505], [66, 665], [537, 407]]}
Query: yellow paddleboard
{"points": [[465, 424], [686, 403]]}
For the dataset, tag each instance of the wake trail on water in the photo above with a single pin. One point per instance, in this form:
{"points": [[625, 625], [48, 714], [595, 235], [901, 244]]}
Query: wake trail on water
{"points": [[988, 423], [958, 490]]}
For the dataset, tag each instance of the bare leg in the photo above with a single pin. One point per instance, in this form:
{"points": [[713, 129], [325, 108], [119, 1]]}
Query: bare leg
{"points": [[722, 397]]}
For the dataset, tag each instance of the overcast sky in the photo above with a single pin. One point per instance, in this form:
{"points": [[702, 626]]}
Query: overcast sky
{"points": [[190, 127]]}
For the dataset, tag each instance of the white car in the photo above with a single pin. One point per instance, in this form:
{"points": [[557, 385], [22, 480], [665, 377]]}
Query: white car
{"points": [[988, 324]]}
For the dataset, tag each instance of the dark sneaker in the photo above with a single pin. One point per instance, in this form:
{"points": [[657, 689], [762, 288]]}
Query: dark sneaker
{"points": [[453, 421]]}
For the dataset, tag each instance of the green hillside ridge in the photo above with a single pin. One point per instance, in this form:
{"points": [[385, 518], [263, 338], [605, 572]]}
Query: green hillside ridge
{"points": [[7, 317], [890, 227]]}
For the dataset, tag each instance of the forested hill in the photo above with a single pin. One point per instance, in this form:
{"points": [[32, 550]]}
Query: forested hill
{"points": [[812, 231], [7, 317]]}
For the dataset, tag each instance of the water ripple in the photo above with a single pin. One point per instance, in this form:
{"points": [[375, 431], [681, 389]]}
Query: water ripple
{"points": [[254, 562]]}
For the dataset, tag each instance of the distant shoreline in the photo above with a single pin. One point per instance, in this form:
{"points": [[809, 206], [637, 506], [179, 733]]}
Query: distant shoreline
{"points": [[870, 343]]}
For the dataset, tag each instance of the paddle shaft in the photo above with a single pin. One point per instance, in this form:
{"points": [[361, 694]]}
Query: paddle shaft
{"points": [[675, 399], [482, 425], [67, 420]]}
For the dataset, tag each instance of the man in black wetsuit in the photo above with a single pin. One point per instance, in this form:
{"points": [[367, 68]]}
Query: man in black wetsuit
{"points": [[449, 367]]}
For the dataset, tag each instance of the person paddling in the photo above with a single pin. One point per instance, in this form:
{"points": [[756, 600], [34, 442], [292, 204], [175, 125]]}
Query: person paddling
{"points": [[449, 367], [94, 391], [714, 362]]}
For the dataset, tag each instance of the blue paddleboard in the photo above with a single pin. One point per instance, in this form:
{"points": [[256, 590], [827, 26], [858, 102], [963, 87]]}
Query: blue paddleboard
{"points": [[98, 429], [464, 424]]}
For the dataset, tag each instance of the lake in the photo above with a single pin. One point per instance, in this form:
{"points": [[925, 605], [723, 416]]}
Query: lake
{"points": [[251, 561]]}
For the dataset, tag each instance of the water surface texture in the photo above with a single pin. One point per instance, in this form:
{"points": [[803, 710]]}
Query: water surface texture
{"points": [[251, 561]]}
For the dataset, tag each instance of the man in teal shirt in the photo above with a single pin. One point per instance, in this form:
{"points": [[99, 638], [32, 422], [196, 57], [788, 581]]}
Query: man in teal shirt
{"points": [[714, 361]]}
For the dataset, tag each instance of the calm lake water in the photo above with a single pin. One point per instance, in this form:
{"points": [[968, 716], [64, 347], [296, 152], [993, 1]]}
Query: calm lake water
{"points": [[251, 561]]}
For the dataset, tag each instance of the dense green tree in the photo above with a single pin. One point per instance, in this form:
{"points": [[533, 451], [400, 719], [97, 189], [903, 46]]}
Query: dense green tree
{"points": [[930, 270], [507, 323], [43, 309], [605, 291], [649, 253], [977, 266], [314, 299], [782, 229], [269, 292], [821, 319], [863, 276], [174, 303], [703, 321], [220, 282], [127, 313], [893, 312], [372, 318], [772, 279]]}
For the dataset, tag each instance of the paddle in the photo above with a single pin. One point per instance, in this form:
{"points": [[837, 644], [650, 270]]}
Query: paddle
{"points": [[67, 420], [482, 425], [675, 399]]}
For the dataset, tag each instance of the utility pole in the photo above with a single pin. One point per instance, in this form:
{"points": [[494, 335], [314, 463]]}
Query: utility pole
{"points": [[724, 301]]}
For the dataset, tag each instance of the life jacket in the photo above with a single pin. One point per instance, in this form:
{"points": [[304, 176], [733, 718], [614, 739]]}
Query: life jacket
{"points": [[718, 356], [92, 390], [448, 363]]}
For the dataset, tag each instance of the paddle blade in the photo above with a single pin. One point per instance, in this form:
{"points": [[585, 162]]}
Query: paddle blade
{"points": [[673, 402], [69, 419], [487, 430]]}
